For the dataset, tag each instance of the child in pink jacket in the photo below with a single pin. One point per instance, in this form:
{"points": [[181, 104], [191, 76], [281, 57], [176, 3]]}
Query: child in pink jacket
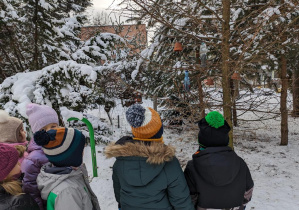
{"points": [[41, 117]]}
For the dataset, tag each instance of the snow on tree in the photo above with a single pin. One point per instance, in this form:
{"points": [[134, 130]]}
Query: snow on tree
{"points": [[39, 33], [65, 84], [233, 40], [101, 49], [10, 51]]}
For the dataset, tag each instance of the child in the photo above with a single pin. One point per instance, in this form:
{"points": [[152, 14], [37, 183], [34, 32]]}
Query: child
{"points": [[217, 177], [64, 181], [146, 173], [12, 132], [41, 117], [11, 195]]}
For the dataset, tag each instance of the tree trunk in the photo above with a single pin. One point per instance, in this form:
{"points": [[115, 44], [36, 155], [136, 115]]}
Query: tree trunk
{"points": [[35, 56], [9, 59], [200, 90], [225, 68], [2, 75], [155, 103], [295, 112], [235, 93], [16, 51], [283, 101], [201, 96]]}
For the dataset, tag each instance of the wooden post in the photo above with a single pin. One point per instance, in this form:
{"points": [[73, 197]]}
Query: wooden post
{"points": [[283, 101]]}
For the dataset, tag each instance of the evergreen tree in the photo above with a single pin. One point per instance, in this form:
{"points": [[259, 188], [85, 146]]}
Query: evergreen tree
{"points": [[40, 32], [11, 56]]}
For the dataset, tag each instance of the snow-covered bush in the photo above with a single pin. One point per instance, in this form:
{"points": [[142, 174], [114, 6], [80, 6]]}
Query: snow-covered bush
{"points": [[65, 84], [101, 129], [102, 49]]}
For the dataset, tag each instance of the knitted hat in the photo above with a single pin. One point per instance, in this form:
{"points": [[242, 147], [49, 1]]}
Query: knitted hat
{"points": [[40, 115], [10, 128], [62, 146], [8, 159], [146, 123], [213, 130]]}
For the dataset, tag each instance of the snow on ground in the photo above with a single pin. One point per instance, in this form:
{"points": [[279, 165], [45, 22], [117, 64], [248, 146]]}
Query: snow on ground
{"points": [[274, 168]]}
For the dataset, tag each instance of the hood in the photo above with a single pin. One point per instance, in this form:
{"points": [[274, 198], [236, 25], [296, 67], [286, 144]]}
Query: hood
{"points": [[51, 176], [217, 165], [141, 161], [33, 146]]}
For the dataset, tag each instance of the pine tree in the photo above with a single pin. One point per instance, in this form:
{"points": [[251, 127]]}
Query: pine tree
{"points": [[40, 32], [10, 51]]}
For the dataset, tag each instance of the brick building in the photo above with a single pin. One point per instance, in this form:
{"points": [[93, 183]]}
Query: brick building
{"points": [[126, 31]]}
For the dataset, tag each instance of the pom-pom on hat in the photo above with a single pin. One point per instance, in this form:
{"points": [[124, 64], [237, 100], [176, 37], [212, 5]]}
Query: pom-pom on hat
{"points": [[215, 119], [40, 115], [8, 159], [10, 128], [213, 130], [145, 123], [62, 146]]}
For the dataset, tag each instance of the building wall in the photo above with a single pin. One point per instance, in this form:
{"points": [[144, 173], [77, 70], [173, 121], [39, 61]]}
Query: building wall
{"points": [[126, 31]]}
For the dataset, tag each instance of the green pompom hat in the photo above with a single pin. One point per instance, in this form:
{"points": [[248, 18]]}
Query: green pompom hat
{"points": [[215, 119]]}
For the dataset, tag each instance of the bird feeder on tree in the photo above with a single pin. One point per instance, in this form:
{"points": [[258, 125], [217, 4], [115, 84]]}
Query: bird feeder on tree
{"points": [[203, 54], [178, 46], [187, 81], [236, 76], [210, 81], [138, 97]]}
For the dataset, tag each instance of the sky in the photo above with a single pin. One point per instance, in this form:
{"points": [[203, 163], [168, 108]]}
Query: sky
{"points": [[104, 4]]}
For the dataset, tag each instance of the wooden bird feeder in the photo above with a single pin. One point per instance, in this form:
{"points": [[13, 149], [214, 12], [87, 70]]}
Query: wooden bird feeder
{"points": [[210, 81], [236, 76], [138, 98], [178, 46]]}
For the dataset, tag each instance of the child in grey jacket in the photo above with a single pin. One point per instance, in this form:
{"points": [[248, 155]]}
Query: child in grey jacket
{"points": [[63, 182]]}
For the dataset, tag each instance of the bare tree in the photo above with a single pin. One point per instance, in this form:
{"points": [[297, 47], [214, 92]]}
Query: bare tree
{"points": [[241, 37], [100, 19]]}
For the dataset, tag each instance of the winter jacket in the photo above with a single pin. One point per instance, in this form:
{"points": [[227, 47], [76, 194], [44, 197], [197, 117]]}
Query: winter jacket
{"points": [[21, 159], [16, 202], [31, 167], [66, 188], [147, 175], [218, 178]]}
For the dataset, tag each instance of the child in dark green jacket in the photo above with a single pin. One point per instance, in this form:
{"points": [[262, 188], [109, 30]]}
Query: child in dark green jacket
{"points": [[146, 173]]}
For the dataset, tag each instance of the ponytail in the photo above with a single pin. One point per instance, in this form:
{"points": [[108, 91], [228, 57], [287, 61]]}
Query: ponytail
{"points": [[11, 186], [21, 150]]}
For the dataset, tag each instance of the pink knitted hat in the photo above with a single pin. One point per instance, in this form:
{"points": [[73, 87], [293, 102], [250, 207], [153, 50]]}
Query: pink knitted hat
{"points": [[8, 159], [40, 115]]}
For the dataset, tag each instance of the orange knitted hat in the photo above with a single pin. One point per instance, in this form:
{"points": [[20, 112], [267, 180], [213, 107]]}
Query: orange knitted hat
{"points": [[146, 123]]}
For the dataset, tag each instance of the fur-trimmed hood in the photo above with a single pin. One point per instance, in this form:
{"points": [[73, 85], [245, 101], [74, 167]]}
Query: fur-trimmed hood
{"points": [[156, 153], [139, 162]]}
